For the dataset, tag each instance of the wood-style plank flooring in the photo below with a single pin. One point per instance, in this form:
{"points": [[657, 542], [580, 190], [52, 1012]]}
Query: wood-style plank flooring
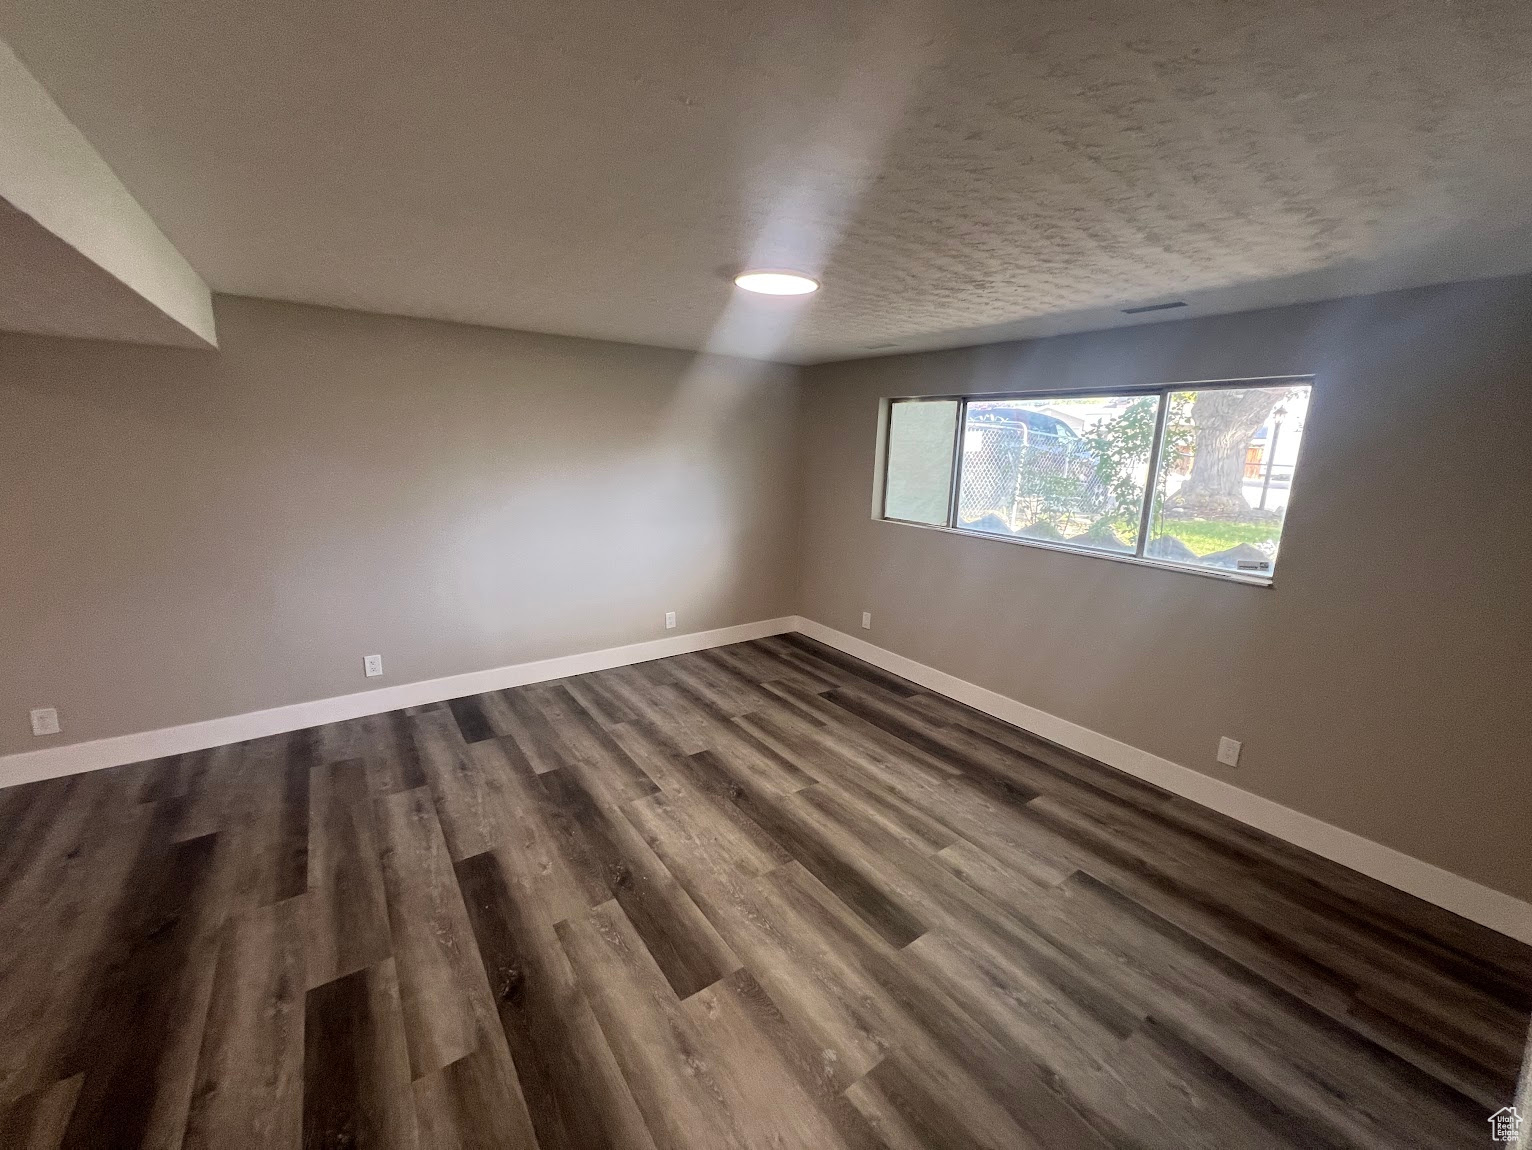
{"points": [[760, 896]]}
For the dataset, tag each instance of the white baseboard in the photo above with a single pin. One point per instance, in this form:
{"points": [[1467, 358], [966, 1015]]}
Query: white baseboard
{"points": [[73, 758], [1474, 901]]}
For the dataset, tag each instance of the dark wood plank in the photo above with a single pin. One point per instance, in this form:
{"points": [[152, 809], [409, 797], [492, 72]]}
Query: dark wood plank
{"points": [[210, 782], [62, 923], [905, 1112], [682, 778], [824, 995], [1323, 962], [557, 871], [38, 1121], [590, 744], [956, 1058], [470, 800], [268, 820], [456, 1047], [356, 1082], [431, 939], [387, 744], [996, 880], [471, 721], [687, 832], [827, 662], [1302, 1060], [473, 1104], [672, 1070], [788, 1093], [822, 851], [597, 698], [721, 734], [731, 693], [30, 815], [968, 728], [894, 806], [347, 909], [125, 1040], [653, 698], [758, 665], [979, 770], [886, 747], [677, 934], [576, 1096], [249, 1089], [515, 712]]}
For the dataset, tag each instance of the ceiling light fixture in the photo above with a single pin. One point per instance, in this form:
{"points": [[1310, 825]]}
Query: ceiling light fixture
{"points": [[776, 282]]}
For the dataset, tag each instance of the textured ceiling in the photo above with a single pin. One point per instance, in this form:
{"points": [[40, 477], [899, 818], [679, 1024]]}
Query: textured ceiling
{"points": [[954, 170]]}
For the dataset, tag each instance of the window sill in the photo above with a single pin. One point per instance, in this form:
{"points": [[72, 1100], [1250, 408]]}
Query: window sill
{"points": [[1115, 557]]}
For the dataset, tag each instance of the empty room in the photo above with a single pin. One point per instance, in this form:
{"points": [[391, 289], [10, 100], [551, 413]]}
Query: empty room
{"points": [[686, 576]]}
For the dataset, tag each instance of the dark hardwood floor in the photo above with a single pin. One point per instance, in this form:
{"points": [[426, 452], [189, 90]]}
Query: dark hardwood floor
{"points": [[760, 896]]}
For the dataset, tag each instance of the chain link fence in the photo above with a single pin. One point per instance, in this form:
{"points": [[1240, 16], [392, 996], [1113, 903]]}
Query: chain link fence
{"points": [[1022, 479]]}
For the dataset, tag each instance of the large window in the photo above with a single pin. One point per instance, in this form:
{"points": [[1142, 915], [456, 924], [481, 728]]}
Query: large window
{"points": [[1189, 476]]}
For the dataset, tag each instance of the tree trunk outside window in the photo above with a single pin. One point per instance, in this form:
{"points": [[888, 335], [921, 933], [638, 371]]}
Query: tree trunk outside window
{"points": [[1224, 422]]}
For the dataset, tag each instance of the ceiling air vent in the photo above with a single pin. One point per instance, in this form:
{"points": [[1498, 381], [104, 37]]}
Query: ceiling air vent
{"points": [[1153, 307]]}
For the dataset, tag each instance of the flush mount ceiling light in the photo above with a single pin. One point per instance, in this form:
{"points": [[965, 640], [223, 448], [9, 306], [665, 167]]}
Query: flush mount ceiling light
{"points": [[776, 282]]}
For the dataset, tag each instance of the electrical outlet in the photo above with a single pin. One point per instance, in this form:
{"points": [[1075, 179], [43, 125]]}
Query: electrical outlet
{"points": [[1228, 751], [373, 665], [867, 620], [670, 620], [45, 721]]}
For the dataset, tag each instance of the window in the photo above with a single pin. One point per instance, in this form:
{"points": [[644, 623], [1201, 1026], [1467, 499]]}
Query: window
{"points": [[1192, 477], [920, 439]]}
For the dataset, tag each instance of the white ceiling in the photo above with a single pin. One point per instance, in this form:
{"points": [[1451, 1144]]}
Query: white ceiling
{"points": [[955, 170]]}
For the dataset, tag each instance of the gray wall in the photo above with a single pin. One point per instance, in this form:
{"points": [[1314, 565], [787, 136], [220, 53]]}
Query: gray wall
{"points": [[1381, 685], [189, 534]]}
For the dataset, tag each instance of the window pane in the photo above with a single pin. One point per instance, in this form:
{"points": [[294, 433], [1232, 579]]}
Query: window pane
{"points": [[1062, 470], [919, 483], [1225, 475]]}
